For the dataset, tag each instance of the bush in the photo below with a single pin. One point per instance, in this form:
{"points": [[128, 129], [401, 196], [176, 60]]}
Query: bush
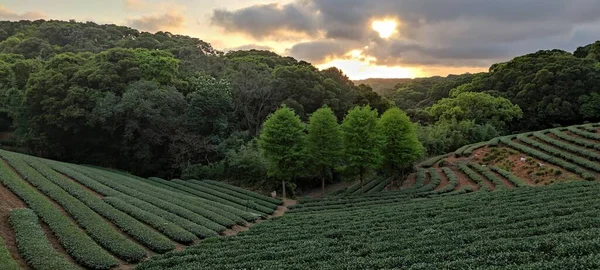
{"points": [[7, 260], [134, 228], [90, 221], [79, 245], [33, 245]]}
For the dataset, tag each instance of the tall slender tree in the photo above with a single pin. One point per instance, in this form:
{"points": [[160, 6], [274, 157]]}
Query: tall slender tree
{"points": [[361, 141], [400, 146], [282, 142], [324, 143]]}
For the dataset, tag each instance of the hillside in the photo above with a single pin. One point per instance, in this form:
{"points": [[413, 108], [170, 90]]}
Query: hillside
{"points": [[381, 85], [528, 228], [527, 207], [100, 219], [103, 219], [528, 159]]}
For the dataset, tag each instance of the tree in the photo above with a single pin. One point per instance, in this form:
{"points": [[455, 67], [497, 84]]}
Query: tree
{"points": [[480, 107], [282, 142], [323, 143], [361, 141], [400, 145]]}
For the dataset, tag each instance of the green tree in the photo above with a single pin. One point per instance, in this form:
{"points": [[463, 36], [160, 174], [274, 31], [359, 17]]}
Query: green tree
{"points": [[400, 145], [324, 144], [480, 107], [361, 141], [282, 142]]}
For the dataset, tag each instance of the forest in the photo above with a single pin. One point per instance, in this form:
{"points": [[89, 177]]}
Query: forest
{"points": [[173, 106]]}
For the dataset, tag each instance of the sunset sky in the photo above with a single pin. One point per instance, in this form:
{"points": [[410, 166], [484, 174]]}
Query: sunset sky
{"points": [[364, 38]]}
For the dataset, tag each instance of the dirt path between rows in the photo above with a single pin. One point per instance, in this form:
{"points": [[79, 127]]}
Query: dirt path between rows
{"points": [[8, 202], [278, 212], [318, 192], [49, 234], [444, 178], [507, 184], [463, 180]]}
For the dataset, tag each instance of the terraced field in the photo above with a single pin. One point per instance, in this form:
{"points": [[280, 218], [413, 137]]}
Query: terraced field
{"points": [[530, 159], [56, 215]]}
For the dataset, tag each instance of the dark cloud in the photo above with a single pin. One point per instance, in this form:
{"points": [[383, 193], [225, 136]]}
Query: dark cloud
{"points": [[318, 51], [431, 32], [171, 21], [9, 15], [250, 47], [264, 20]]}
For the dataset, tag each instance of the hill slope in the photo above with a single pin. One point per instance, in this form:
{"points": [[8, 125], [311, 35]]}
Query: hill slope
{"points": [[550, 227], [505, 222], [100, 219]]}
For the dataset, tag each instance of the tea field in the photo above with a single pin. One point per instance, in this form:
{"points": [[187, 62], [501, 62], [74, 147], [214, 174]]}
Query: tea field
{"points": [[63, 216], [525, 201]]}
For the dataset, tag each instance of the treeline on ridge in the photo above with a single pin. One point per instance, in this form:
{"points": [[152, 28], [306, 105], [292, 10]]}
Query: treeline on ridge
{"points": [[151, 104], [172, 106]]}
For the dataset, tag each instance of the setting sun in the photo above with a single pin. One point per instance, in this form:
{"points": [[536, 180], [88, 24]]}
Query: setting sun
{"points": [[385, 28]]}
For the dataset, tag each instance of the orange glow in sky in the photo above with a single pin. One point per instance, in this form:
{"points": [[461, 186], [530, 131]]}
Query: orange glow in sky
{"points": [[385, 28]]}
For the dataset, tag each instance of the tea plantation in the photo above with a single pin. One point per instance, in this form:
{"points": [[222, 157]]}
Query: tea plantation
{"points": [[526, 201]]}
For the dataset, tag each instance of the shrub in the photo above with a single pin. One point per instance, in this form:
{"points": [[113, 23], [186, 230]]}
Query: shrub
{"points": [[33, 245]]}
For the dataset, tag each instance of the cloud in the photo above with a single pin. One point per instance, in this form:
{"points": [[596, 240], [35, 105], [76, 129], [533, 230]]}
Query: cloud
{"points": [[248, 47], [262, 21], [7, 14], [171, 21], [319, 51], [430, 32]]}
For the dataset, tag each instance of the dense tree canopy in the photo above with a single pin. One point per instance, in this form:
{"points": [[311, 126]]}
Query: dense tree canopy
{"points": [[152, 104], [479, 107], [159, 104], [547, 85]]}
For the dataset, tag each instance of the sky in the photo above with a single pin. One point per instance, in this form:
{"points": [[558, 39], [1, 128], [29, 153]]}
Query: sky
{"points": [[364, 38]]}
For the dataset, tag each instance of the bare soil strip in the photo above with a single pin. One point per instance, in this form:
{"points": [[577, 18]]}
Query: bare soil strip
{"points": [[278, 212], [427, 178], [409, 182], [9, 201], [507, 184], [463, 180], [444, 178], [485, 180], [565, 174]]}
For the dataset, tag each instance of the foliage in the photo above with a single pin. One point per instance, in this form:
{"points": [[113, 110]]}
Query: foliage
{"points": [[447, 136], [400, 147], [79, 245], [33, 245], [498, 184], [475, 177], [324, 146], [548, 85], [511, 177], [90, 221], [9, 262], [565, 227], [282, 142], [548, 158], [482, 108], [361, 140], [107, 91]]}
